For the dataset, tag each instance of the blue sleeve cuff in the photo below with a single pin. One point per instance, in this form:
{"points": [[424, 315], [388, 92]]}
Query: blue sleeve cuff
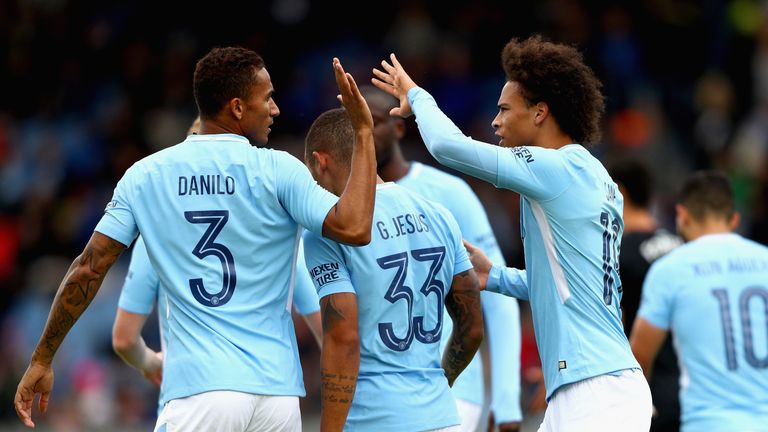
{"points": [[136, 307], [494, 280], [335, 288]]}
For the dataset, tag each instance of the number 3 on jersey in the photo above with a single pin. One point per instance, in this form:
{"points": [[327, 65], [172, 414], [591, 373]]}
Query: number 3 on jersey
{"points": [[207, 246], [399, 291]]}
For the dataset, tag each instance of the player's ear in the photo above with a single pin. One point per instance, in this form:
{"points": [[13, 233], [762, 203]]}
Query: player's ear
{"points": [[321, 161], [735, 220], [236, 108], [541, 112]]}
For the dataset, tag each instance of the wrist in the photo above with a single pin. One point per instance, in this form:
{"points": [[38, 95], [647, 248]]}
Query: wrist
{"points": [[41, 359], [494, 278]]}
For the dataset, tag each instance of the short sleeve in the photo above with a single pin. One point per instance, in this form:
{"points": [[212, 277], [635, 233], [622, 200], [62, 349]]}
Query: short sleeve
{"points": [[326, 265], [301, 196], [304, 294], [118, 221], [141, 283], [657, 296], [535, 172]]}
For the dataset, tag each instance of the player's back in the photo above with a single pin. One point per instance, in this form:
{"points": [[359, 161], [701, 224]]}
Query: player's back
{"points": [[213, 213], [571, 240], [401, 279], [717, 291]]}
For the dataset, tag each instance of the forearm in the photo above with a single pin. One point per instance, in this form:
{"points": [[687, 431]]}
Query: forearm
{"points": [[353, 213], [339, 368], [508, 281], [137, 354], [466, 313], [448, 144], [77, 290]]}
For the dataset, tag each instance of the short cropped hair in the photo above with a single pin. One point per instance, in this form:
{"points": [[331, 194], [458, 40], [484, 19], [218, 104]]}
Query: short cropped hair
{"points": [[708, 193], [222, 75], [636, 179], [332, 133], [557, 75], [385, 100]]}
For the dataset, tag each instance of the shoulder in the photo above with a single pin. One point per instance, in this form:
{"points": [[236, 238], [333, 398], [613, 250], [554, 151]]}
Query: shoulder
{"points": [[675, 260], [445, 187]]}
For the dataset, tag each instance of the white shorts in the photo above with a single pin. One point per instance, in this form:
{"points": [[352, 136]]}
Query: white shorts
{"points": [[602, 403], [230, 411], [470, 414], [455, 428]]}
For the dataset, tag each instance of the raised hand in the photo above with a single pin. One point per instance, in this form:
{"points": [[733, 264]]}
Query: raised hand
{"points": [[395, 81], [480, 262], [351, 98], [37, 379]]}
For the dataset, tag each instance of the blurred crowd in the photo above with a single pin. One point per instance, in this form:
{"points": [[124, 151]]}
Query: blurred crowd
{"points": [[88, 88]]}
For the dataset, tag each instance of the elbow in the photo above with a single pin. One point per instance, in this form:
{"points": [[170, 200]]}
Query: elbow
{"points": [[475, 335], [346, 342], [122, 343], [360, 236]]}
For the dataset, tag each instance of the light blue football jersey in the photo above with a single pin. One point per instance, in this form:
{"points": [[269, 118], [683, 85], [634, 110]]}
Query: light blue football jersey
{"points": [[712, 294], [400, 279], [501, 313], [305, 297], [141, 291], [220, 219], [571, 223]]}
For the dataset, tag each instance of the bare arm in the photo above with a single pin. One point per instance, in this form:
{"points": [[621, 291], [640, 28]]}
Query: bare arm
{"points": [[130, 346], [77, 290], [463, 305], [350, 220], [340, 361], [315, 325], [646, 340]]}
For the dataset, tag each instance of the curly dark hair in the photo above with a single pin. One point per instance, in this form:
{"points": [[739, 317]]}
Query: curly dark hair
{"points": [[224, 74], [331, 132], [556, 74]]}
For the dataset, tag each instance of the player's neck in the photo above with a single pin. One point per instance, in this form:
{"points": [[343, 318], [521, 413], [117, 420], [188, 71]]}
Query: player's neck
{"points": [[214, 126], [396, 168], [638, 219], [552, 137], [708, 228]]}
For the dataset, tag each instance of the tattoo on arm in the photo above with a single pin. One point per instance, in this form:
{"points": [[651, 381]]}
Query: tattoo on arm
{"points": [[77, 290], [463, 305], [331, 314], [340, 361], [337, 388]]}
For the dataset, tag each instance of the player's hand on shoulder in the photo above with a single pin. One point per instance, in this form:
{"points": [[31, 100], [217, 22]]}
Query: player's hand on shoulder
{"points": [[480, 262], [395, 81], [351, 99]]}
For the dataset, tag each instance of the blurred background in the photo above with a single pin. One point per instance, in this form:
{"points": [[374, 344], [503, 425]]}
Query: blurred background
{"points": [[87, 88]]}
